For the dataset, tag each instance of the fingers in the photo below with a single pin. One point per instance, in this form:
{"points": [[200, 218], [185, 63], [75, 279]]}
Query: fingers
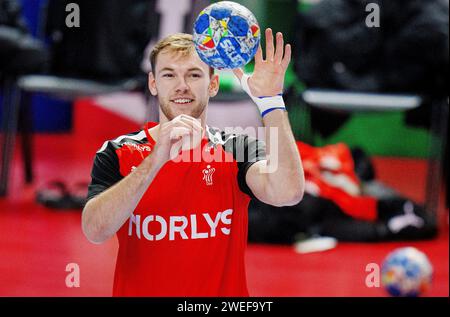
{"points": [[287, 56], [179, 132], [259, 55], [275, 54], [279, 48], [186, 125], [167, 127], [239, 73], [182, 133], [187, 121], [179, 126], [269, 45], [186, 134]]}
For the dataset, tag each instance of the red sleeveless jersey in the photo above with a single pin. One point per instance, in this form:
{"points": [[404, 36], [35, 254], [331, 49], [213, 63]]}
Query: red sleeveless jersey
{"points": [[188, 234]]}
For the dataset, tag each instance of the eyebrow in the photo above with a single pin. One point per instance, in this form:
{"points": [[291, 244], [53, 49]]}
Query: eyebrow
{"points": [[166, 69], [189, 70]]}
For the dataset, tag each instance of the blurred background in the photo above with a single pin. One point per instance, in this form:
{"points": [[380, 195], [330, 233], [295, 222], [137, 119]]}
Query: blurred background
{"points": [[366, 88]]}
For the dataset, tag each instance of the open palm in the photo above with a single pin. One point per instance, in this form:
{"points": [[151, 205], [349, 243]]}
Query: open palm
{"points": [[268, 76]]}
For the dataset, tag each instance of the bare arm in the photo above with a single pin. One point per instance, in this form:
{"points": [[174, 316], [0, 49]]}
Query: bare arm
{"points": [[104, 214], [283, 182]]}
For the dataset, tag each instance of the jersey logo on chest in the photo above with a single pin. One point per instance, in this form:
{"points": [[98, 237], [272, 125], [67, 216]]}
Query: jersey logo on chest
{"points": [[208, 175]]}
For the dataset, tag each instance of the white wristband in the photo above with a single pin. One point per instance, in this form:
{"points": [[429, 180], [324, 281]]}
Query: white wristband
{"points": [[265, 103]]}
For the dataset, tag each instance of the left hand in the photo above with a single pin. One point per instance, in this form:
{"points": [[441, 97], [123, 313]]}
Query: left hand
{"points": [[268, 76]]}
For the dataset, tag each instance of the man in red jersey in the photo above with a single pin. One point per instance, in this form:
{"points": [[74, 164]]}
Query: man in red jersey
{"points": [[182, 224]]}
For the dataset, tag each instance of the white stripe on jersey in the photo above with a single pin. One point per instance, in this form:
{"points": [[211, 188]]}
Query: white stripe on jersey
{"points": [[138, 137]]}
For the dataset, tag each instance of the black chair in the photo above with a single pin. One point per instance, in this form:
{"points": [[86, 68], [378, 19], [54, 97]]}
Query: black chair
{"points": [[20, 54], [84, 63]]}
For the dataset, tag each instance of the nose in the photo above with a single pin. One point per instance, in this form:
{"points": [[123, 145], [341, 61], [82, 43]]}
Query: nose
{"points": [[181, 86]]}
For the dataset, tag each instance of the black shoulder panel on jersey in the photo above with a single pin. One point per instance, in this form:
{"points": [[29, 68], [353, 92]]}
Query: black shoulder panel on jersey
{"points": [[246, 151], [106, 169]]}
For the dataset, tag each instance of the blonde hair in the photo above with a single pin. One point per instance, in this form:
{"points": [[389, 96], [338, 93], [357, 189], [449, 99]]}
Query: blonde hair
{"points": [[181, 43]]}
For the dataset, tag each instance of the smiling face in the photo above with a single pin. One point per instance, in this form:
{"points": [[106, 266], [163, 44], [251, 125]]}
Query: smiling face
{"points": [[183, 84]]}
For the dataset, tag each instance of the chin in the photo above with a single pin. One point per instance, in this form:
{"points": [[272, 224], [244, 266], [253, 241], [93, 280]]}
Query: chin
{"points": [[196, 113]]}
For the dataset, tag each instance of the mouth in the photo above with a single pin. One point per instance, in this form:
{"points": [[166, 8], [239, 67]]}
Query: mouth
{"points": [[182, 101]]}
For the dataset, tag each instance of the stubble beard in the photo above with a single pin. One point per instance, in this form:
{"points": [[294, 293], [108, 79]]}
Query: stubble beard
{"points": [[170, 114]]}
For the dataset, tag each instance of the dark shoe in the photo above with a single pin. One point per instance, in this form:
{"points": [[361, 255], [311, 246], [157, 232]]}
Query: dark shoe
{"points": [[56, 195]]}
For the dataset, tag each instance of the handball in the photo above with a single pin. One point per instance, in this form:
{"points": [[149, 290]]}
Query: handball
{"points": [[226, 35], [406, 272]]}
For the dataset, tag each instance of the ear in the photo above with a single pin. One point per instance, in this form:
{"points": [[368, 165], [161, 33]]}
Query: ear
{"points": [[214, 85], [152, 84]]}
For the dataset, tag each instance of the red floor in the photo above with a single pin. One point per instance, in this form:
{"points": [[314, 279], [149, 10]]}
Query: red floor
{"points": [[36, 244]]}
